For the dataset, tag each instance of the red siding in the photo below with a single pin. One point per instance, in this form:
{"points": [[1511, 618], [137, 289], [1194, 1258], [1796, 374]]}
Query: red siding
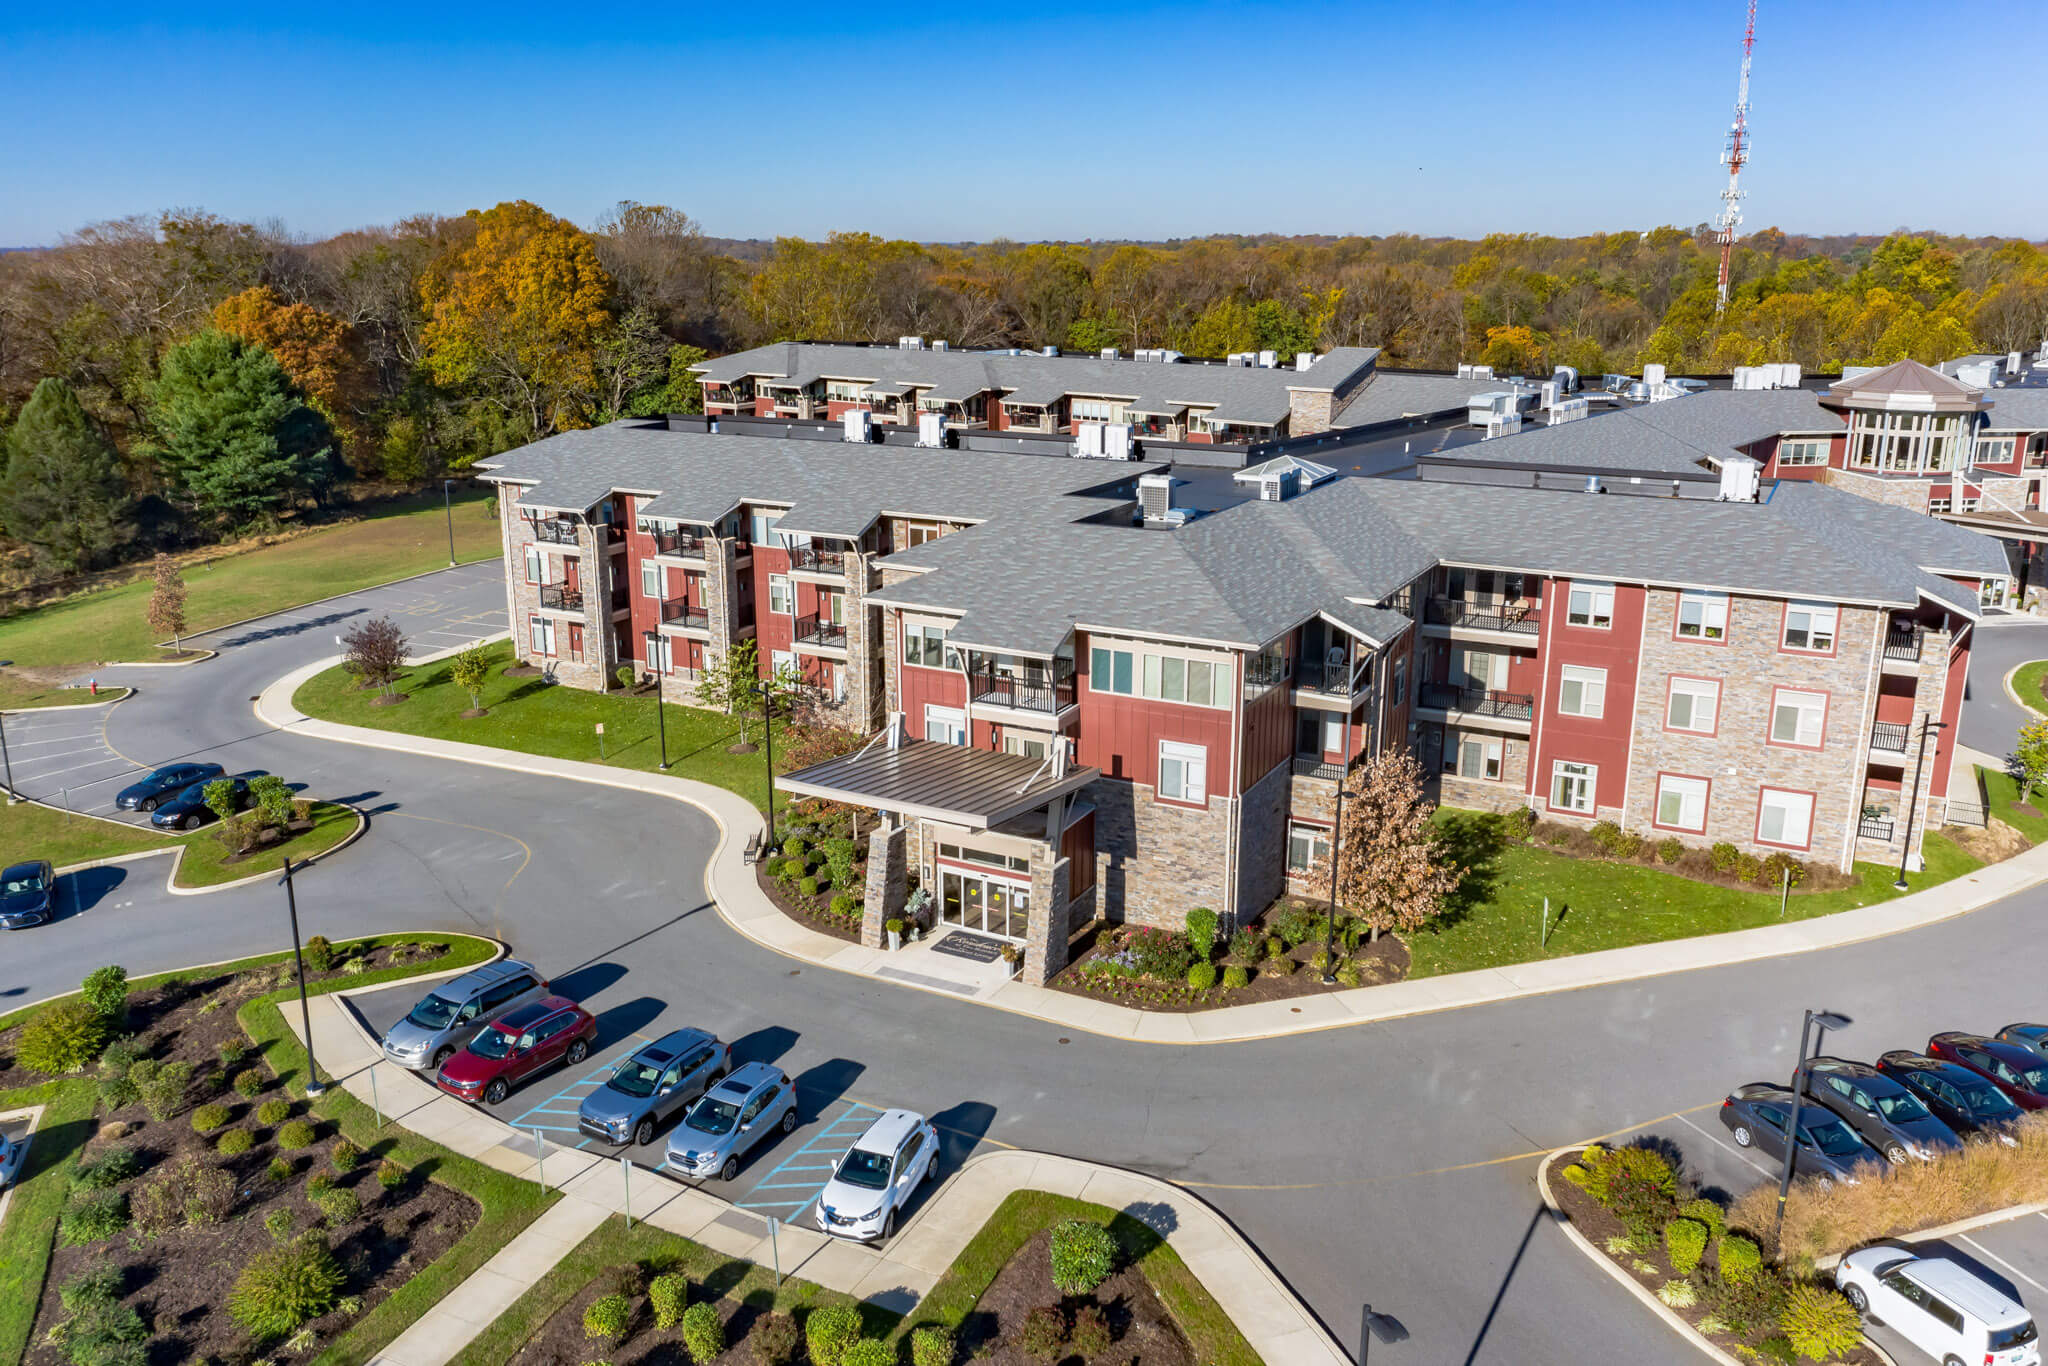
{"points": [[773, 630], [1268, 735], [1951, 710], [1603, 742], [1121, 735]]}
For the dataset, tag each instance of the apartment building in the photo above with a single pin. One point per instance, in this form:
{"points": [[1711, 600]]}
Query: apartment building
{"points": [[1078, 709]]}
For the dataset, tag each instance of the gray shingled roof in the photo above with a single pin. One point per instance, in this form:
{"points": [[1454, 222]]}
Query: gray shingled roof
{"points": [[1391, 397], [1668, 437], [2019, 410]]}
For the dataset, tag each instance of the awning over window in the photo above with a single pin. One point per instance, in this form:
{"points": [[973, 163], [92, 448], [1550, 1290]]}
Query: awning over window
{"points": [[975, 788]]}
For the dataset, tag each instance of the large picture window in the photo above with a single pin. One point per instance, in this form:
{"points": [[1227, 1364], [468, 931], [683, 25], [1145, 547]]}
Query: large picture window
{"points": [[1161, 677], [1804, 450], [946, 725], [1183, 775], [925, 646], [1571, 786], [1798, 718]]}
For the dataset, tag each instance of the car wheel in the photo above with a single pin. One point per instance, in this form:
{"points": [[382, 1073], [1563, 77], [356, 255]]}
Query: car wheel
{"points": [[578, 1051], [146, 805], [889, 1226], [1895, 1155], [495, 1093], [1858, 1301], [1951, 1361], [789, 1120], [931, 1170], [441, 1058], [189, 823], [1743, 1138], [643, 1132], [730, 1170]]}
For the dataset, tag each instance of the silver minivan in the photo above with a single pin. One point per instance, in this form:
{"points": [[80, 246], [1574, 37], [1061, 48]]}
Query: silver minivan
{"points": [[451, 1014]]}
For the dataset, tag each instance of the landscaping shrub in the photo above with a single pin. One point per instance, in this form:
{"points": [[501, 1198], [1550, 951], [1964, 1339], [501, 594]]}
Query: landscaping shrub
{"points": [[344, 1155], [1350, 974], [207, 1118], [795, 846], [64, 1036], [1519, 823], [285, 1287], [319, 953], [1769, 875], [209, 1192], [1279, 967], [390, 1175], [1747, 867], [279, 1224], [1320, 960], [1747, 1306], [1724, 855], [1706, 1212], [295, 1135], [607, 1317], [1090, 1334], [100, 1284], [110, 1167], [319, 1185], [237, 835], [279, 1170], [1614, 841], [828, 1332], [1159, 954], [120, 1055], [273, 798], [842, 904], [1236, 978], [668, 1293], [840, 857], [774, 1340], [1738, 1258], [163, 1086], [1244, 945], [107, 1333], [114, 1093], [808, 886], [1685, 1242], [338, 1206], [1637, 1184], [1295, 923], [1679, 1294], [106, 991], [1819, 1323], [1202, 976], [703, 1333], [1043, 1336], [234, 1143], [1777, 1347], [1276, 947], [91, 1215], [249, 1083], [273, 1112], [869, 1352], [931, 1345], [1201, 923], [1670, 850], [1083, 1255]]}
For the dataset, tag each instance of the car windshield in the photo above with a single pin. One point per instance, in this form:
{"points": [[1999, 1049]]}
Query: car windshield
{"points": [[870, 1171], [635, 1077], [713, 1116], [1901, 1108], [194, 793], [436, 1012], [2018, 1335], [1833, 1137], [493, 1044], [2034, 1079], [1988, 1102], [28, 882]]}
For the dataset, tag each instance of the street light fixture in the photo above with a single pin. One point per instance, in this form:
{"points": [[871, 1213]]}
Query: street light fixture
{"points": [[313, 1084], [660, 703], [6, 759], [1927, 723], [768, 746], [1817, 1023], [1336, 858], [448, 506]]}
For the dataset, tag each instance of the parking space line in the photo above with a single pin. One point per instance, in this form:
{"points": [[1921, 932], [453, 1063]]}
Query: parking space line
{"points": [[1729, 1146], [1964, 1238]]}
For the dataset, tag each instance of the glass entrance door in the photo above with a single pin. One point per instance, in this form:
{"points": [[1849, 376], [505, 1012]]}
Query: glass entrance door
{"points": [[983, 904]]}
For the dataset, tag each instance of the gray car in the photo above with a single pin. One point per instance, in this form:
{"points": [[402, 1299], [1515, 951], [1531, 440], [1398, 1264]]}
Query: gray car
{"points": [[1883, 1113], [755, 1101], [451, 1014], [648, 1087]]}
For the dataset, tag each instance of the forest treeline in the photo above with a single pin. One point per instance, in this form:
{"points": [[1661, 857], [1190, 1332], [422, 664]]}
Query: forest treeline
{"points": [[171, 380]]}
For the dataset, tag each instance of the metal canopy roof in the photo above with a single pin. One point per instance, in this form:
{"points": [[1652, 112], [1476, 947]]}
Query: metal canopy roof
{"points": [[971, 787]]}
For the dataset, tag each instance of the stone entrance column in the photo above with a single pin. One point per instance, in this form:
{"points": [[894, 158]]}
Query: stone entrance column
{"points": [[1045, 925], [888, 882]]}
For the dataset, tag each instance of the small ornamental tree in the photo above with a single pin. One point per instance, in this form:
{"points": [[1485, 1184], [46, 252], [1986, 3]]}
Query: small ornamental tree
{"points": [[469, 671], [167, 602], [727, 682], [2030, 757], [221, 799], [106, 991], [376, 652], [1392, 873]]}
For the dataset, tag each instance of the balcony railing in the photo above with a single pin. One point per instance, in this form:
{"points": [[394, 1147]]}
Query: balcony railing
{"points": [[555, 533], [1315, 766], [1515, 617], [811, 631], [678, 543], [1903, 642], [680, 613], [1875, 828], [817, 560], [1032, 692], [1511, 706], [560, 597], [1340, 678], [1890, 736]]}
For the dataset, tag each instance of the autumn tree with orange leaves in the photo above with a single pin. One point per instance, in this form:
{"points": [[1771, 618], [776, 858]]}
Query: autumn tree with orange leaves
{"points": [[318, 351]]}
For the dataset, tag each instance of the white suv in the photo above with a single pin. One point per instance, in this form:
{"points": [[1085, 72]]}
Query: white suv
{"points": [[875, 1177], [1940, 1307]]}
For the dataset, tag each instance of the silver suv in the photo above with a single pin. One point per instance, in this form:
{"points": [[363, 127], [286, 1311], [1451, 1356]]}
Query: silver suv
{"points": [[755, 1101], [450, 1015]]}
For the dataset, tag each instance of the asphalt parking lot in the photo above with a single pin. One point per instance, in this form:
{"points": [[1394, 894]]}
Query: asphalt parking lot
{"points": [[61, 756]]}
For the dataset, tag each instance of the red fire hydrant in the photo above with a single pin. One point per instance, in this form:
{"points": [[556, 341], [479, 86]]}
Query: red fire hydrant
{"points": [[95, 684]]}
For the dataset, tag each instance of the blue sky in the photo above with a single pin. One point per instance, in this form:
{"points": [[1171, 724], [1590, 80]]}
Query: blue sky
{"points": [[1047, 119]]}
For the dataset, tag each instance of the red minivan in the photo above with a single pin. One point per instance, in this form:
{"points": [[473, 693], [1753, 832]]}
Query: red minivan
{"points": [[515, 1046]]}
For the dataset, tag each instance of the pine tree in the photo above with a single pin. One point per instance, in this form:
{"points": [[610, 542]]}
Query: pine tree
{"points": [[63, 492]]}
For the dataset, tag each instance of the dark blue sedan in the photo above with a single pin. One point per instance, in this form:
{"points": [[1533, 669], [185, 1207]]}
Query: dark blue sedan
{"points": [[188, 810], [149, 791], [28, 895]]}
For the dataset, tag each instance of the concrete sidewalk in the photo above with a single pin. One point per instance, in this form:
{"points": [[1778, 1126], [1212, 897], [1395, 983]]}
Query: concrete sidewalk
{"points": [[896, 1276]]}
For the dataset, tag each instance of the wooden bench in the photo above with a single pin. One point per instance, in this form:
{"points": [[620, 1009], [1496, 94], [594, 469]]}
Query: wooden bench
{"points": [[753, 851]]}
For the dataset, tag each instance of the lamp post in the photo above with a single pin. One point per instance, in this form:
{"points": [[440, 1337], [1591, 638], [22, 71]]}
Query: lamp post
{"points": [[291, 901], [768, 747], [448, 506], [1823, 1021], [6, 759], [1336, 857], [660, 703], [1927, 723]]}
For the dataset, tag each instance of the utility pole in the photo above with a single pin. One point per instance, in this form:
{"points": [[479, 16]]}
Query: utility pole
{"points": [[1734, 158], [291, 901]]}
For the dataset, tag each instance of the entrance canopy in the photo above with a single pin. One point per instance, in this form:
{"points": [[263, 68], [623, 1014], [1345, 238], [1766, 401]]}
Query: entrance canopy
{"points": [[974, 788]]}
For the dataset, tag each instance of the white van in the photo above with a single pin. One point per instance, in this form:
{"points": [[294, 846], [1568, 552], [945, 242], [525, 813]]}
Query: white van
{"points": [[1940, 1307]]}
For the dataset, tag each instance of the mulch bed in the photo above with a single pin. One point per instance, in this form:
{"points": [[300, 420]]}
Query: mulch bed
{"points": [[811, 911], [1598, 1224], [1140, 1328], [1380, 962], [292, 830], [560, 1341]]}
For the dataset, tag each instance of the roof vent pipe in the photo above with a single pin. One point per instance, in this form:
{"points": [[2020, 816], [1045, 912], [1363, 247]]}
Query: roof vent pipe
{"points": [[1593, 484]]}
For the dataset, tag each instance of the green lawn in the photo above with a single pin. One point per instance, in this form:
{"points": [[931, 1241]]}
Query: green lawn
{"points": [[24, 694], [26, 1240], [29, 830], [408, 536], [534, 718], [1600, 905], [2001, 795], [2028, 681]]}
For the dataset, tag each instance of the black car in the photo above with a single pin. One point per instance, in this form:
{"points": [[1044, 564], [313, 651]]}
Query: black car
{"points": [[148, 791], [1757, 1115], [1889, 1118], [1959, 1098], [188, 810], [28, 893]]}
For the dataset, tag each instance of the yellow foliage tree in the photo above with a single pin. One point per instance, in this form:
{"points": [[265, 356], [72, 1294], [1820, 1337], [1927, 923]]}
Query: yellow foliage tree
{"points": [[318, 351]]}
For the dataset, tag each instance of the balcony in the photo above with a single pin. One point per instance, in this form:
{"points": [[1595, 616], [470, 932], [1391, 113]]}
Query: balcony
{"points": [[1507, 706], [1510, 618], [1875, 828], [1890, 737], [1032, 692], [556, 533], [680, 613], [1341, 678], [1903, 643], [813, 560], [1315, 766], [560, 597], [811, 631], [680, 544]]}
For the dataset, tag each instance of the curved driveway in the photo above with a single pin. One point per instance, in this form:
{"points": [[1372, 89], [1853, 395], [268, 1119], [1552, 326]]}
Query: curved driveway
{"points": [[1388, 1162]]}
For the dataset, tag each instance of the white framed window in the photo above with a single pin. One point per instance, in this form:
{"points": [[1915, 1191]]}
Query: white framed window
{"points": [[764, 532], [1582, 691], [1183, 772], [1703, 616], [1991, 592], [536, 566], [1682, 802], [1161, 677], [1475, 756], [1798, 718], [1803, 450], [650, 579], [780, 600], [1096, 410], [1590, 604], [1482, 669], [1694, 705], [661, 655], [1028, 745], [541, 635], [1785, 818], [1810, 626], [1571, 786], [1996, 450], [1938, 504], [1307, 845], [925, 646], [947, 725]]}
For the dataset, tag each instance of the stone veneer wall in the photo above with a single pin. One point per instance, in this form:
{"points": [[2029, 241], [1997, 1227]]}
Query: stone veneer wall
{"points": [[862, 710], [1261, 847], [1897, 491], [1482, 794], [1045, 923], [721, 598], [1154, 860], [1309, 412], [523, 601]]}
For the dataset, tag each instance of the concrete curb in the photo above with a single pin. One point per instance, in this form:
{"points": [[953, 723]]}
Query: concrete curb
{"points": [[126, 693], [176, 853], [2013, 693], [203, 656], [1949, 1230]]}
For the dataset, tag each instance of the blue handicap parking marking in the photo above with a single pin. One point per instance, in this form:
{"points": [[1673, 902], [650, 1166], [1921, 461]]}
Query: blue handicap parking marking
{"points": [[806, 1170], [557, 1112]]}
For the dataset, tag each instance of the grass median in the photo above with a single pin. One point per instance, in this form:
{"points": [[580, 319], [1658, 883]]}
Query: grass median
{"points": [[25, 694], [30, 830], [2030, 682]]}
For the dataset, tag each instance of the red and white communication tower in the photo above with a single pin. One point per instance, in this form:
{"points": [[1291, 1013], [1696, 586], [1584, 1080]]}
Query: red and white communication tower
{"points": [[1733, 158]]}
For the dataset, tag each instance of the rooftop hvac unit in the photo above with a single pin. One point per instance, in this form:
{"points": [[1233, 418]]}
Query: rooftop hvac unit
{"points": [[1569, 410], [931, 429], [858, 425], [1548, 398], [1481, 409], [1116, 441], [1282, 487], [1653, 373], [910, 343], [1155, 496], [1088, 440], [1269, 360], [1567, 378], [1503, 424], [1787, 373], [1616, 384], [939, 346], [1169, 356], [2012, 362], [1049, 351], [1109, 353], [1739, 479], [1751, 377], [1304, 359], [1977, 376]]}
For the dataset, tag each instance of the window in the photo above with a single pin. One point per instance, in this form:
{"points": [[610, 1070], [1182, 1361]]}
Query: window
{"points": [[1798, 718], [779, 598], [925, 646], [1571, 786], [1480, 669], [1030, 746], [764, 530], [1785, 818], [1939, 504], [650, 580], [1582, 691], [536, 566], [947, 725], [1182, 772], [1591, 604], [1307, 845], [1810, 626], [1096, 410], [1164, 678], [917, 533], [660, 655], [1682, 803], [1694, 705], [1477, 757], [1400, 678], [1703, 616], [1811, 450], [843, 391], [541, 635], [1996, 450]]}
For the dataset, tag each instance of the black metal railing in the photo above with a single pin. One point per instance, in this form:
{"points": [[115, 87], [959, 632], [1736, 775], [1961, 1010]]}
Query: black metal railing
{"points": [[1890, 736], [1315, 766], [1340, 678], [560, 597], [678, 543], [1875, 828], [679, 613], [1903, 642], [1512, 706], [555, 533], [811, 631], [1031, 692], [1517, 618], [817, 560]]}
